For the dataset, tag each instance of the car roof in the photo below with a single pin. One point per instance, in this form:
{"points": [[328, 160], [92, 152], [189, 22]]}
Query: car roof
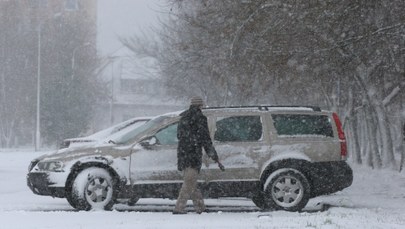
{"points": [[256, 108], [268, 108]]}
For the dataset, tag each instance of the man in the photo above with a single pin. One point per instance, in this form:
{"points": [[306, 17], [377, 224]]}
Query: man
{"points": [[193, 135]]}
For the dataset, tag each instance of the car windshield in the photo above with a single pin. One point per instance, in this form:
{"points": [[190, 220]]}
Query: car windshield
{"points": [[126, 135], [116, 128]]}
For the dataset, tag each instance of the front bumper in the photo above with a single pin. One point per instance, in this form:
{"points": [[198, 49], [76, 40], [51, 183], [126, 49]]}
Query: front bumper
{"points": [[40, 184]]}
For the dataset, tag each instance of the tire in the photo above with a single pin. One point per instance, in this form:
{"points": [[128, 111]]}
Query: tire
{"points": [[286, 189], [70, 200], [93, 188]]}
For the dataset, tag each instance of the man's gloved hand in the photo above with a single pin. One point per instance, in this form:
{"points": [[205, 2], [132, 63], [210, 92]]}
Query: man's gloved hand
{"points": [[221, 166]]}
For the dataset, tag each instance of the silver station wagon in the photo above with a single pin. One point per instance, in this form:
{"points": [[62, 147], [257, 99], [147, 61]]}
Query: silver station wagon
{"points": [[278, 156]]}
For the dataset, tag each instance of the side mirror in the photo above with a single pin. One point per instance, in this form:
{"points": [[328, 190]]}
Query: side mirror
{"points": [[148, 142]]}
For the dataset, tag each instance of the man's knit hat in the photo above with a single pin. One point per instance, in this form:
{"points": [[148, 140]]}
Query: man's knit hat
{"points": [[197, 101]]}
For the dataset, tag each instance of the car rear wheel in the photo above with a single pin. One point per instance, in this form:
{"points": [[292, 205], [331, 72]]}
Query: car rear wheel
{"points": [[93, 188], [286, 189]]}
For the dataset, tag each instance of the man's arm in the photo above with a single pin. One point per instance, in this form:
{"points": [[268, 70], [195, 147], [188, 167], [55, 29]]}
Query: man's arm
{"points": [[206, 142]]}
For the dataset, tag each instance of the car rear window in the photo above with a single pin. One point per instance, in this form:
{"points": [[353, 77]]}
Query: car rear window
{"points": [[299, 124]]}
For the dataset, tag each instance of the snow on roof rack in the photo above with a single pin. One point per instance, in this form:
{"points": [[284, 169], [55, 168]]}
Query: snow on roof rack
{"points": [[266, 107]]}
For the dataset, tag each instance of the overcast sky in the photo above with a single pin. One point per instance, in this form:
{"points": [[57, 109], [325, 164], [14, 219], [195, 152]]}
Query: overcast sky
{"points": [[124, 18]]}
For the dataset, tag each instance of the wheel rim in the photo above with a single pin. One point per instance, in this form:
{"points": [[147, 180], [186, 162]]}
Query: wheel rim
{"points": [[287, 191], [98, 191]]}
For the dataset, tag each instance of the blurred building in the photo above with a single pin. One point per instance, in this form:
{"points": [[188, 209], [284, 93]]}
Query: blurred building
{"points": [[133, 93]]}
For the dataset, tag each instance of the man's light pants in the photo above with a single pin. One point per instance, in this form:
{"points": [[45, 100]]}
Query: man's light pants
{"points": [[188, 191]]}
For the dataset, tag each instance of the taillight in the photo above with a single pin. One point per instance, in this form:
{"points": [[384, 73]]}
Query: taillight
{"points": [[342, 138]]}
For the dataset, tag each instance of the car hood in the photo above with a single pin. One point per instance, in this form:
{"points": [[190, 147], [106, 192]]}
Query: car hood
{"points": [[69, 154]]}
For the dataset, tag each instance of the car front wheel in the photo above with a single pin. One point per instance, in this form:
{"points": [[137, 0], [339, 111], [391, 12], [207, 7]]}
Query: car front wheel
{"points": [[93, 188], [286, 189]]}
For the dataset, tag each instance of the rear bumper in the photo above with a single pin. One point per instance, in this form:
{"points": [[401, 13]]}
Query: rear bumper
{"points": [[39, 184], [330, 177]]}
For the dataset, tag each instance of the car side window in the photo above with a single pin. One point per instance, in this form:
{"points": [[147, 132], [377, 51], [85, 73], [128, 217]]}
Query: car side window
{"points": [[238, 129], [167, 135]]}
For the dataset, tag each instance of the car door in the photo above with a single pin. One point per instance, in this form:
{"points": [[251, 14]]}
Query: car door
{"points": [[154, 160], [240, 143]]}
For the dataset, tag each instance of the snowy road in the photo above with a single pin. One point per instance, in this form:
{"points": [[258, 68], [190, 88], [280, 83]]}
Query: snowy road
{"points": [[375, 200]]}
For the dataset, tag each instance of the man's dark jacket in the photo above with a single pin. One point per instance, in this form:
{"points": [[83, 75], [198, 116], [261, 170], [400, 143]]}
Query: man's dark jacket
{"points": [[193, 135]]}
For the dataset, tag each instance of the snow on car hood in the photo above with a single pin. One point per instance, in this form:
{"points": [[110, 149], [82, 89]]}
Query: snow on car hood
{"points": [[68, 154]]}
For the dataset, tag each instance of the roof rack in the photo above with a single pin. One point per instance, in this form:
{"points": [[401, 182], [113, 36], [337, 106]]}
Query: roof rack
{"points": [[266, 107]]}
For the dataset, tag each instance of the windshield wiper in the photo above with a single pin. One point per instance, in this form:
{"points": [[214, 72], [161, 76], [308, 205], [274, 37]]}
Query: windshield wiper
{"points": [[111, 141]]}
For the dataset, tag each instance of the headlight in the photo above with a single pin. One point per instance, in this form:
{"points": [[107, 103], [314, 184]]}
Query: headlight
{"points": [[32, 164], [52, 166]]}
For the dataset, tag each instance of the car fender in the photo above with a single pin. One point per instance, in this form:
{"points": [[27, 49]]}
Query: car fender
{"points": [[290, 159], [119, 167]]}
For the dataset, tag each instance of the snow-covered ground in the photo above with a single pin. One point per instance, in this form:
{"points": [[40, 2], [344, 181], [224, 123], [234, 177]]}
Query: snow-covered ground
{"points": [[375, 200]]}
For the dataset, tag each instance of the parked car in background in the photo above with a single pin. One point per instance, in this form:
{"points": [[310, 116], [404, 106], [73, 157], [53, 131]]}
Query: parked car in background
{"points": [[280, 157], [102, 134]]}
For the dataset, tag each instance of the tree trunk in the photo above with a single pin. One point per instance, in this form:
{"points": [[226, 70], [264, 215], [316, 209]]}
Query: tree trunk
{"points": [[355, 146], [386, 138], [402, 130], [350, 121], [374, 154]]}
